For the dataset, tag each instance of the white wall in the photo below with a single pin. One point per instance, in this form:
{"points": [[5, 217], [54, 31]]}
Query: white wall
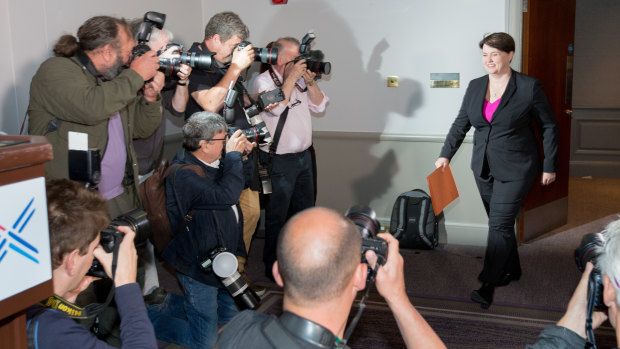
{"points": [[29, 29], [367, 40], [375, 142]]}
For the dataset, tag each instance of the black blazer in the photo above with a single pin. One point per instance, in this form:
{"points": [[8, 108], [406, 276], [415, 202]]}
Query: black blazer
{"points": [[508, 141]]}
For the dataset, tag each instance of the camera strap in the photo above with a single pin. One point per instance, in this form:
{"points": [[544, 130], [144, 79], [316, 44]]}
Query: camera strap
{"points": [[91, 310], [282, 331], [276, 136], [590, 341]]}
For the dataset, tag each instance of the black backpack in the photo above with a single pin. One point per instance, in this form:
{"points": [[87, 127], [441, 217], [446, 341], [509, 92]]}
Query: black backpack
{"points": [[413, 221]]}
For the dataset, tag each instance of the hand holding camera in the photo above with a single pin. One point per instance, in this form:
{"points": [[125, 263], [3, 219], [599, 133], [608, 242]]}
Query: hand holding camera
{"points": [[243, 56], [238, 142], [152, 88], [294, 72], [127, 262], [146, 65], [390, 279]]}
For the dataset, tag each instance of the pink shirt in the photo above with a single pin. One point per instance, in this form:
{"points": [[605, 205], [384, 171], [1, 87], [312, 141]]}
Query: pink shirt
{"points": [[297, 133], [489, 108]]}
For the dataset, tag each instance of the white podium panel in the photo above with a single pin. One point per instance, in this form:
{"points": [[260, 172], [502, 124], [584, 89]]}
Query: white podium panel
{"points": [[25, 259]]}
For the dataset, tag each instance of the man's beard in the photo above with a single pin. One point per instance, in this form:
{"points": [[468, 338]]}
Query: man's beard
{"points": [[112, 71]]}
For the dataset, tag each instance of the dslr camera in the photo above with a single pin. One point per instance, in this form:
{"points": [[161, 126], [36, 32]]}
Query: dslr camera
{"points": [[588, 251], [110, 238], [264, 55], [169, 66], [365, 219], [224, 264], [258, 131], [314, 58]]}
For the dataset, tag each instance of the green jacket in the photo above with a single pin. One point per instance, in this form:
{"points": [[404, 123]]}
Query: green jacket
{"points": [[64, 90]]}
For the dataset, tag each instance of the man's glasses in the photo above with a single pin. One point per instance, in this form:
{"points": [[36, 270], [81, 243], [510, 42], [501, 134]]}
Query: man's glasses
{"points": [[296, 103]]}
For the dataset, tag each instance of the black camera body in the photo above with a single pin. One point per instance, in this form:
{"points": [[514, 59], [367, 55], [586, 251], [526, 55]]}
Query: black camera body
{"points": [[365, 219], [588, 252], [314, 58], [111, 237], [85, 167], [207, 263], [263, 100], [263, 55]]}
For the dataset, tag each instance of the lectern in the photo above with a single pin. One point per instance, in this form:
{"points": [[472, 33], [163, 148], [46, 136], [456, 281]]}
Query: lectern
{"points": [[25, 262]]}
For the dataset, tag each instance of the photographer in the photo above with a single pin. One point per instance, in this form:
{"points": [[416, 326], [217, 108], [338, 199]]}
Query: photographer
{"points": [[289, 162], [570, 331], [76, 216], [319, 267], [212, 195], [174, 97], [85, 89], [208, 90]]}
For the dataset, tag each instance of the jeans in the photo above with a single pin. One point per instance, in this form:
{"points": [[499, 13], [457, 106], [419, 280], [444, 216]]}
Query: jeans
{"points": [[192, 321]]}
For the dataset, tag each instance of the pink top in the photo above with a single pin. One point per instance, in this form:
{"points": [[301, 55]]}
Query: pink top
{"points": [[489, 108]]}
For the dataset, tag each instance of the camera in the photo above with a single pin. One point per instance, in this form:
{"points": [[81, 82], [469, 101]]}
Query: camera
{"points": [[143, 35], [258, 132], [314, 58], [171, 66], [588, 251], [224, 264], [264, 55], [263, 100], [85, 167], [110, 237], [365, 219]]}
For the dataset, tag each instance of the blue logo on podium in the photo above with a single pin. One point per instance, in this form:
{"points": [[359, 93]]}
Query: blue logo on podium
{"points": [[10, 237]]}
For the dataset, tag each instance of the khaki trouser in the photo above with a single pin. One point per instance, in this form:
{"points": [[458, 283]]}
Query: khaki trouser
{"points": [[250, 207]]}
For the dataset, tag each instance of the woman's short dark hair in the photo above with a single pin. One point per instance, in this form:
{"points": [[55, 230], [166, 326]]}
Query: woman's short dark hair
{"points": [[501, 41], [201, 126]]}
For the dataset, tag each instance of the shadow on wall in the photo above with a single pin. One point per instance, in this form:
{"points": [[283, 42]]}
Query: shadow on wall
{"points": [[13, 107], [366, 98]]}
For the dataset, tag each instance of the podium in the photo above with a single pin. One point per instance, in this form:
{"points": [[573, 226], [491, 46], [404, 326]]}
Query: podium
{"points": [[25, 261]]}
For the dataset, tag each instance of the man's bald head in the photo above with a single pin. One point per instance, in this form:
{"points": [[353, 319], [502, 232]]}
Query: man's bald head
{"points": [[318, 251]]}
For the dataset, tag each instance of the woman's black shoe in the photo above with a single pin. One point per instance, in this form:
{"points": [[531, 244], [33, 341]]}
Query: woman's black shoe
{"points": [[483, 295], [508, 277]]}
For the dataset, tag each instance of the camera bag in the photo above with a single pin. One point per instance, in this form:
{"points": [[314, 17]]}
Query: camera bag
{"points": [[413, 221], [153, 197]]}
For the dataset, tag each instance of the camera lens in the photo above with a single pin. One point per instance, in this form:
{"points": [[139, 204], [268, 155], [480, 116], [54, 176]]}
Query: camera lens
{"points": [[365, 219], [137, 221], [266, 55]]}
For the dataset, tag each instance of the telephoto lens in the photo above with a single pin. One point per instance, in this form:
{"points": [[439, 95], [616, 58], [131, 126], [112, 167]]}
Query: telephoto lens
{"points": [[225, 267]]}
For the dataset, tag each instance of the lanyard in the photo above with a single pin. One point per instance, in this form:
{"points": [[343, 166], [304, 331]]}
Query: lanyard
{"points": [[276, 81]]}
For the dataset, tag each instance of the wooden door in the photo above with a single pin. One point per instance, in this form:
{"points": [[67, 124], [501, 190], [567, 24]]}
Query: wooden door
{"points": [[548, 36]]}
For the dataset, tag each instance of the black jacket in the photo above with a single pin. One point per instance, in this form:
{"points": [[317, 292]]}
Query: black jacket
{"points": [[508, 141], [209, 197]]}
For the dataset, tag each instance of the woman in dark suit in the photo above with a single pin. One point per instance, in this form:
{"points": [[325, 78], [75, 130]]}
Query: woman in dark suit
{"points": [[506, 161]]}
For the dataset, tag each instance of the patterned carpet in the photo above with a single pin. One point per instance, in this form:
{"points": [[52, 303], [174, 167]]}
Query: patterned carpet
{"points": [[438, 283]]}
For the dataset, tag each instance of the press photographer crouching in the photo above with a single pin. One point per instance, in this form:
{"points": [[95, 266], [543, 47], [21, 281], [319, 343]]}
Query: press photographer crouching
{"points": [[597, 296], [76, 217], [320, 267], [206, 189]]}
